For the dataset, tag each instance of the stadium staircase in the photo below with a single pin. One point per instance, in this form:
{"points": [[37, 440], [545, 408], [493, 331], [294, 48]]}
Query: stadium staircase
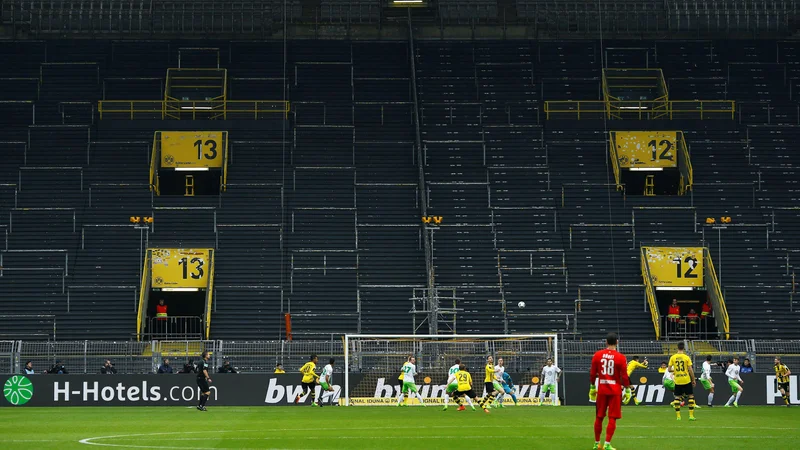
{"points": [[321, 214]]}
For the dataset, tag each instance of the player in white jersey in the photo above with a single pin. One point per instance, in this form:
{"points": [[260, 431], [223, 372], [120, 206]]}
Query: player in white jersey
{"points": [[326, 382], [499, 370], [550, 376], [668, 380], [706, 381], [409, 385], [452, 385], [735, 381]]}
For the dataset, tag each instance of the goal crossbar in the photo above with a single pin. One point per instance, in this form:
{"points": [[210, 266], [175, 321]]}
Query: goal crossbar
{"points": [[434, 338]]}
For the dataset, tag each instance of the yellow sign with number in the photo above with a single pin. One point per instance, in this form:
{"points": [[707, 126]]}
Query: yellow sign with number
{"points": [[646, 149], [675, 266], [180, 268], [192, 149]]}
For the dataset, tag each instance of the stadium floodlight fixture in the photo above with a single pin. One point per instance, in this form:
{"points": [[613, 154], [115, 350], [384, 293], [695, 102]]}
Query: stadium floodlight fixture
{"points": [[674, 288], [180, 289], [647, 169], [191, 169], [405, 2], [208, 108]]}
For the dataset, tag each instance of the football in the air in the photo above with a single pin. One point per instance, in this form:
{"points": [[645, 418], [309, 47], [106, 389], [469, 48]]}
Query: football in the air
{"points": [[521, 304]]}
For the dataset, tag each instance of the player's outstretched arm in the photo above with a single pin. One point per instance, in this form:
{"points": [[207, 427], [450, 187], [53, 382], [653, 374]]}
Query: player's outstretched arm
{"points": [[691, 374]]}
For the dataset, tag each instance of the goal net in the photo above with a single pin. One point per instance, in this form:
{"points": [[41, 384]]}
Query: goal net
{"points": [[373, 363]]}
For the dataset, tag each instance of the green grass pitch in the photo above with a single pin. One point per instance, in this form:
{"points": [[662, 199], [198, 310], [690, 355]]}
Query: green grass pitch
{"points": [[391, 427]]}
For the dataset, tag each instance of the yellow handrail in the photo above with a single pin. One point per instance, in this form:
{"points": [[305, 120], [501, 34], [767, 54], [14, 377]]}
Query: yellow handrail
{"points": [[154, 157], [209, 293], [142, 290], [684, 149], [224, 186], [649, 291], [612, 150], [663, 83], [715, 294]]}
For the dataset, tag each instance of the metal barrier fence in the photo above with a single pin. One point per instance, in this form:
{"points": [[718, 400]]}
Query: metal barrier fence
{"points": [[85, 356], [7, 356], [263, 356], [176, 327], [131, 357]]}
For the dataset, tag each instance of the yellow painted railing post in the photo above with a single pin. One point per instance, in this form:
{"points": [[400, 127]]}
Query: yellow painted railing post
{"points": [[612, 151], [715, 294], [655, 315], [154, 161], [209, 294], [145, 285]]}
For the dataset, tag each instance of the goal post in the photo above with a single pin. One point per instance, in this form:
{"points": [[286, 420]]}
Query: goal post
{"points": [[372, 362]]}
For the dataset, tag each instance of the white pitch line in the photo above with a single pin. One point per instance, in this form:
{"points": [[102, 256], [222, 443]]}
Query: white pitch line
{"points": [[278, 438], [90, 440]]}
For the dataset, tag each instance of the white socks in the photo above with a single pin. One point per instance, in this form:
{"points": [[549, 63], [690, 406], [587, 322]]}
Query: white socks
{"points": [[710, 398], [325, 395], [446, 399]]}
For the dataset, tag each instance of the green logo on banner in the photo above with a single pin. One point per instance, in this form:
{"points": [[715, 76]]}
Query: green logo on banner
{"points": [[18, 390]]}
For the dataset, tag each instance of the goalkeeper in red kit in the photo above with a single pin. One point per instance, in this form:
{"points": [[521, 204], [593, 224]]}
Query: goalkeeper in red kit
{"points": [[609, 375]]}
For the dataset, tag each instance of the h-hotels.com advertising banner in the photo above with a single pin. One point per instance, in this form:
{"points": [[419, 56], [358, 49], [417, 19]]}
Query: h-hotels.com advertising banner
{"points": [[279, 390]]}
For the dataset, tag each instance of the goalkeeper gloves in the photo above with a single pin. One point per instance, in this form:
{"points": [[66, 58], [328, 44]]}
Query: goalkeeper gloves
{"points": [[627, 396], [592, 393]]}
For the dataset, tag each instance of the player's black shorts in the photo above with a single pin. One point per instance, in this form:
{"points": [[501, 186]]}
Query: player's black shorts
{"points": [[489, 387], [309, 386], [683, 389], [202, 383], [470, 393], [784, 386]]}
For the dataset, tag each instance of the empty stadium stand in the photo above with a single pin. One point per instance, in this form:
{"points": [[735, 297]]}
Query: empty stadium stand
{"points": [[320, 217]]}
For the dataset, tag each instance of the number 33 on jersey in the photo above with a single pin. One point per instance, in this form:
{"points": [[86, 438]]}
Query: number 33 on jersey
{"points": [[179, 268]]}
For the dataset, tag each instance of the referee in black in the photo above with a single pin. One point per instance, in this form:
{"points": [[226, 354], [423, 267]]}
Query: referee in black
{"points": [[202, 381]]}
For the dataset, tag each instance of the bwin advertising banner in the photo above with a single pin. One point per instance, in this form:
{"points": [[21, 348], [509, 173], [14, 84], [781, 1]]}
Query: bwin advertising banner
{"points": [[759, 389], [278, 390]]}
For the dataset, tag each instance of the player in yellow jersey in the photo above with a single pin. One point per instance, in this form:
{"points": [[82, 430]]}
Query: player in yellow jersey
{"points": [[782, 374], [633, 365], [400, 378], [489, 383], [464, 380], [681, 366], [400, 381], [309, 381]]}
